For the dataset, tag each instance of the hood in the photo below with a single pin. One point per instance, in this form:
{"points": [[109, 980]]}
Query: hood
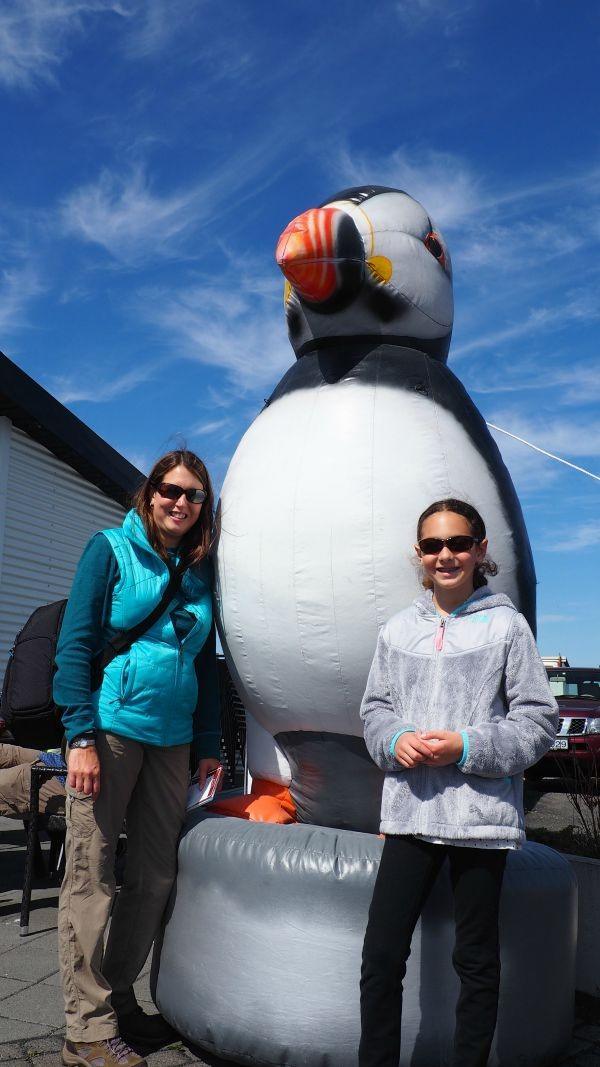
{"points": [[482, 600]]}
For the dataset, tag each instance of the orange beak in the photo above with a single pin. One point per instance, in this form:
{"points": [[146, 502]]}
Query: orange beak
{"points": [[310, 254]]}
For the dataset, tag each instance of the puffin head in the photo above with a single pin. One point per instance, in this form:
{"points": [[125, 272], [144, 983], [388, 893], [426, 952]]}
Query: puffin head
{"points": [[369, 263]]}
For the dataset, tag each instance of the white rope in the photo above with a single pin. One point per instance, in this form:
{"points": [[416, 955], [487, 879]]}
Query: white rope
{"points": [[558, 459]]}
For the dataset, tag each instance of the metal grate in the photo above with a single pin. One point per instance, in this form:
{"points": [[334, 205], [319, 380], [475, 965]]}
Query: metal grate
{"points": [[576, 726], [233, 728]]}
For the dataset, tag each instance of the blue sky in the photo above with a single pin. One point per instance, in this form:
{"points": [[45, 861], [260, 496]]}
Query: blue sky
{"points": [[153, 151]]}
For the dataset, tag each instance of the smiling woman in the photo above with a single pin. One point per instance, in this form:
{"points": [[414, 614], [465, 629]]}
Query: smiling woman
{"points": [[129, 746], [176, 505]]}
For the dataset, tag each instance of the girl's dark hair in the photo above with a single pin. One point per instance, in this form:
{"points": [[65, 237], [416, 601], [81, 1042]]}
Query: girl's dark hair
{"points": [[196, 543], [477, 527]]}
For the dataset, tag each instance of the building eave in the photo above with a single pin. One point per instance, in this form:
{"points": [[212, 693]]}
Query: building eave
{"points": [[35, 411]]}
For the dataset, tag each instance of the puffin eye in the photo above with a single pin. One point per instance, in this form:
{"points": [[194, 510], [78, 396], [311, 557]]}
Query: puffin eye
{"points": [[433, 245]]}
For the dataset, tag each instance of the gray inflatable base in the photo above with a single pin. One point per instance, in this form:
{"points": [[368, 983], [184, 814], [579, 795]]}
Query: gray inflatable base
{"points": [[261, 951]]}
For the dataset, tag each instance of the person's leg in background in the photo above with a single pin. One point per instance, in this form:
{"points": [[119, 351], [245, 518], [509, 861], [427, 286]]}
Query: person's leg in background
{"points": [[15, 784]]}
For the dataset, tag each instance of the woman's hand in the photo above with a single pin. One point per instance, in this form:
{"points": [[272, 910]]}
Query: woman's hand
{"points": [[447, 747], [83, 770], [205, 766], [411, 749]]}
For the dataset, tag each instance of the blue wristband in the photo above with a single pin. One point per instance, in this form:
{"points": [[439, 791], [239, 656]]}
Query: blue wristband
{"points": [[404, 730], [465, 752]]}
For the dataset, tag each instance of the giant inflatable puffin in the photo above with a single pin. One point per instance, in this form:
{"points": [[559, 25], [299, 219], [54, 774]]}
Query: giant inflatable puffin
{"points": [[261, 954]]}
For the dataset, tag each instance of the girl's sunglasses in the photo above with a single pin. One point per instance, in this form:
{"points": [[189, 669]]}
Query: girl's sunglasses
{"points": [[432, 546], [173, 492]]}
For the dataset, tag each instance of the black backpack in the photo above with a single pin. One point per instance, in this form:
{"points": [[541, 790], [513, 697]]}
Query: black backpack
{"points": [[26, 704]]}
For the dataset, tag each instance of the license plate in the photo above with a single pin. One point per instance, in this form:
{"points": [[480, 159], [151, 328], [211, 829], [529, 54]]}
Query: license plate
{"points": [[561, 742]]}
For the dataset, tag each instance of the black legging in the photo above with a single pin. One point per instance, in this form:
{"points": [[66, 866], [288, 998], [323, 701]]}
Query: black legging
{"points": [[406, 875]]}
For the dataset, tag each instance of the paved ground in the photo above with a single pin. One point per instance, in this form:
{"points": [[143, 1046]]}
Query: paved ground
{"points": [[31, 1016], [30, 1001]]}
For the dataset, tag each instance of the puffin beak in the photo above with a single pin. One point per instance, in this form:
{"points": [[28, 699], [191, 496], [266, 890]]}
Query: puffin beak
{"points": [[320, 253]]}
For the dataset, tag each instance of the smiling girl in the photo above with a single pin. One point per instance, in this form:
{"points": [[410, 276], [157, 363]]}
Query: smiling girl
{"points": [[457, 705]]}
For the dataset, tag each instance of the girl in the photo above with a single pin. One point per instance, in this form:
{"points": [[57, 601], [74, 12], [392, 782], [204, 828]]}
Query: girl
{"points": [[129, 749], [457, 705]]}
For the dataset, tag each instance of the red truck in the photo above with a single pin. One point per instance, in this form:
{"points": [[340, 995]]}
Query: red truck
{"points": [[577, 692]]}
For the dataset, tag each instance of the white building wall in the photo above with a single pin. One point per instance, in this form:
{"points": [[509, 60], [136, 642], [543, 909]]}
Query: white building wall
{"points": [[47, 513]]}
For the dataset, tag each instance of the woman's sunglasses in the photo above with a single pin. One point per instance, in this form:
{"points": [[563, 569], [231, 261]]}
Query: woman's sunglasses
{"points": [[432, 546], [173, 492]]}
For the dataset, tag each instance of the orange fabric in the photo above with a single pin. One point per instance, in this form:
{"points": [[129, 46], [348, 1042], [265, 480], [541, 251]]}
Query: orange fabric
{"points": [[268, 802]]}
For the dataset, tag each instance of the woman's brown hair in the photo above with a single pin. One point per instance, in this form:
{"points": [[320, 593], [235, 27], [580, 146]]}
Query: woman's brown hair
{"points": [[196, 543], [477, 527]]}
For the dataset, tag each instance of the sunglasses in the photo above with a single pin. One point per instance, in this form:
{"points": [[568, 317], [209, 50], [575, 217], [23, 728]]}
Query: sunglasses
{"points": [[173, 492], [432, 546]]}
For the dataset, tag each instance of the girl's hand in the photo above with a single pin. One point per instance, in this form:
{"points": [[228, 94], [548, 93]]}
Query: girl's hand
{"points": [[83, 770], [446, 745], [411, 749], [205, 766]]}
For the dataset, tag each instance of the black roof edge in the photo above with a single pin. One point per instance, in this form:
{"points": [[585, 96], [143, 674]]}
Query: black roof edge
{"points": [[35, 411]]}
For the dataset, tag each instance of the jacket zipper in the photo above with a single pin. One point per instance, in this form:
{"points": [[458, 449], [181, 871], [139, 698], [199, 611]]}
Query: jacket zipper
{"points": [[439, 637], [167, 724]]}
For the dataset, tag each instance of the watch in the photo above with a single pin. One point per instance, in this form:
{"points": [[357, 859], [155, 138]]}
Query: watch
{"points": [[83, 742]]}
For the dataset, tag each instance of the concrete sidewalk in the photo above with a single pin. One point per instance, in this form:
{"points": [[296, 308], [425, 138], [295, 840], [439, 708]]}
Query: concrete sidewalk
{"points": [[31, 1012], [31, 1019]]}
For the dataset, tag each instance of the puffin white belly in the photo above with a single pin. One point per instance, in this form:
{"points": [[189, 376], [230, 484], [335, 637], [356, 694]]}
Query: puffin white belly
{"points": [[318, 517]]}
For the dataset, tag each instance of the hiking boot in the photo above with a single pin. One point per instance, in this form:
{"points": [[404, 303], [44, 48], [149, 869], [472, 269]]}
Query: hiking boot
{"points": [[112, 1052], [146, 1031]]}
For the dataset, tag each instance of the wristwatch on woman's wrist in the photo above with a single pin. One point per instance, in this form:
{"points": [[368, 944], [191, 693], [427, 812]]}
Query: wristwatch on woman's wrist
{"points": [[83, 741]]}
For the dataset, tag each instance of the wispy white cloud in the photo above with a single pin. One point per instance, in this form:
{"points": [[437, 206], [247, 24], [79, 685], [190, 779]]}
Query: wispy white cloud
{"points": [[204, 429], [575, 537], [127, 217], [569, 438], [581, 306], [444, 183], [71, 389], [124, 214], [455, 192], [551, 618], [236, 324], [35, 36], [155, 25], [141, 460], [448, 15], [521, 243], [530, 472], [185, 29], [573, 439], [572, 382], [19, 285]]}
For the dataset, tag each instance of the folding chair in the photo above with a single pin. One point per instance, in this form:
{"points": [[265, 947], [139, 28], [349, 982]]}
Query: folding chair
{"points": [[55, 826]]}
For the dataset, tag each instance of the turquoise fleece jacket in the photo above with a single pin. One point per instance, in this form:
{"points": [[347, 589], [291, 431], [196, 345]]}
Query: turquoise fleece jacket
{"points": [[85, 630]]}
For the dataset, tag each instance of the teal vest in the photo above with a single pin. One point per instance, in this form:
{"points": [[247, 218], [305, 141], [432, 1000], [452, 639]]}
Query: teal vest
{"points": [[150, 692]]}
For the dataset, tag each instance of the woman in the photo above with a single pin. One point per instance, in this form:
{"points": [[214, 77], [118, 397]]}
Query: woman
{"points": [[129, 749], [457, 705]]}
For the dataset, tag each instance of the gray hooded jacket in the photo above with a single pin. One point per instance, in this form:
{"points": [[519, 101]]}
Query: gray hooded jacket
{"points": [[479, 672]]}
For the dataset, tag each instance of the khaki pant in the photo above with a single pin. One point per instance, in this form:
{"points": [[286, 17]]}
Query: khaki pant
{"points": [[147, 785], [15, 784]]}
